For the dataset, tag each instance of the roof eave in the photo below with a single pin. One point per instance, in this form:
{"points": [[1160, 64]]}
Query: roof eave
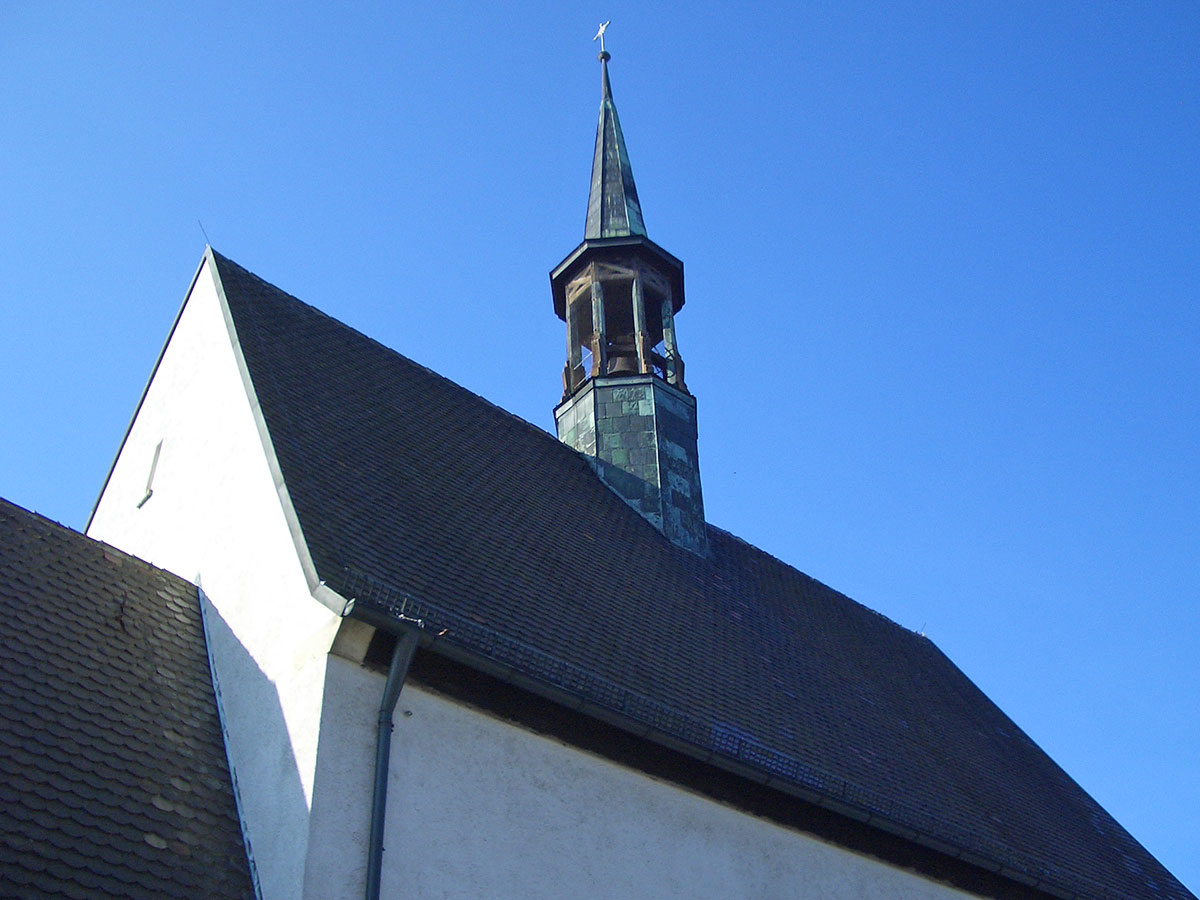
{"points": [[582, 706], [601, 247]]}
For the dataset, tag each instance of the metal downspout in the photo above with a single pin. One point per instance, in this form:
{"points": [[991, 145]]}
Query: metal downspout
{"points": [[406, 645]]}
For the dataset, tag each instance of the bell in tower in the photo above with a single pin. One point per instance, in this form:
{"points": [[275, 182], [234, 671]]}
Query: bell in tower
{"points": [[620, 308], [625, 403]]}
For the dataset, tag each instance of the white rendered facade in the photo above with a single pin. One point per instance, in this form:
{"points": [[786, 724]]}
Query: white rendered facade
{"points": [[216, 517]]}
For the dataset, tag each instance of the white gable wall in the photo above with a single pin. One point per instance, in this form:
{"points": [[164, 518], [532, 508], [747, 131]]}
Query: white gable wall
{"points": [[216, 517]]}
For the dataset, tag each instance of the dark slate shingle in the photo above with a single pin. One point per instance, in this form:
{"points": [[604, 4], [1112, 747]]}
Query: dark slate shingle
{"points": [[113, 777], [408, 486]]}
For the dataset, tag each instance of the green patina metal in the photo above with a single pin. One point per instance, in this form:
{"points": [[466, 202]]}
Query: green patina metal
{"points": [[641, 434], [613, 206]]}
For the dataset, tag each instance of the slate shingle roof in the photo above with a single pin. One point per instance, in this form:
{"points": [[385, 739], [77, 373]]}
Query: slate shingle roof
{"points": [[113, 775], [416, 496]]}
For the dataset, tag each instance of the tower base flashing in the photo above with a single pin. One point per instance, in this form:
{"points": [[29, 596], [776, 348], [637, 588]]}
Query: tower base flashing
{"points": [[641, 435]]}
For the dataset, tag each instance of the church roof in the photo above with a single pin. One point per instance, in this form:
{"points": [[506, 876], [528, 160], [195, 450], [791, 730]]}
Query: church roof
{"points": [[422, 501], [113, 775], [613, 207]]}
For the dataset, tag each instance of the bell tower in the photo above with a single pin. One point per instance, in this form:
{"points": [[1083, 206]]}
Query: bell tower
{"points": [[625, 403]]}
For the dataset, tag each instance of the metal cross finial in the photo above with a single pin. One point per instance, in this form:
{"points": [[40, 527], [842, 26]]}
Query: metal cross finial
{"points": [[600, 35]]}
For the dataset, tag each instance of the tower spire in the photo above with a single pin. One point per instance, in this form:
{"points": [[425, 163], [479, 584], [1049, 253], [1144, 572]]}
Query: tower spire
{"points": [[613, 206], [625, 405]]}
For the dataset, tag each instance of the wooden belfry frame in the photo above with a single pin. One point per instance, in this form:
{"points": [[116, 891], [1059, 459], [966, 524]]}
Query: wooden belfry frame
{"points": [[587, 291]]}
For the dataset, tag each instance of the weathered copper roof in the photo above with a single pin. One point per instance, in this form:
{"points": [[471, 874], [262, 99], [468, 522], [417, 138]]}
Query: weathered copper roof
{"points": [[613, 207]]}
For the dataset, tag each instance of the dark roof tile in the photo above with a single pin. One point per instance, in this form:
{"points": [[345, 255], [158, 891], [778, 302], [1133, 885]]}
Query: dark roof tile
{"points": [[84, 629]]}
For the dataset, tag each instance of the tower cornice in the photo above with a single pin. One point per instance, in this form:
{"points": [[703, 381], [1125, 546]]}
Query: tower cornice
{"points": [[634, 247]]}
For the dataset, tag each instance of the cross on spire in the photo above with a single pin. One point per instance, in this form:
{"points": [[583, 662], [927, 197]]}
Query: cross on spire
{"points": [[600, 37]]}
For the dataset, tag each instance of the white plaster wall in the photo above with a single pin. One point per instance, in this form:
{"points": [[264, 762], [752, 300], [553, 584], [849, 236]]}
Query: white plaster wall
{"points": [[478, 807], [216, 517]]}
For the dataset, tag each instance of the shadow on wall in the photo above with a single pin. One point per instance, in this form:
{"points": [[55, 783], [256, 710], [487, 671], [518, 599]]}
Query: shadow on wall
{"points": [[266, 782]]}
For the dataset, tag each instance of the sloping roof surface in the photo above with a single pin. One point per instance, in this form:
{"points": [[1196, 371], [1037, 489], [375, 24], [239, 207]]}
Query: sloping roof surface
{"points": [[113, 776], [417, 496]]}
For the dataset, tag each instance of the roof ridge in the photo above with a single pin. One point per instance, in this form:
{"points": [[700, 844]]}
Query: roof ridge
{"points": [[4, 501], [51, 524]]}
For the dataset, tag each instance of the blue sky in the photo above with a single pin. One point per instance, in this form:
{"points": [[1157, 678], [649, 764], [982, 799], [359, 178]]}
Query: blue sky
{"points": [[942, 280]]}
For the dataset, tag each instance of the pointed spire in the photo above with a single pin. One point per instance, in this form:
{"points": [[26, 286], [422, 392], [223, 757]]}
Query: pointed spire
{"points": [[613, 207]]}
